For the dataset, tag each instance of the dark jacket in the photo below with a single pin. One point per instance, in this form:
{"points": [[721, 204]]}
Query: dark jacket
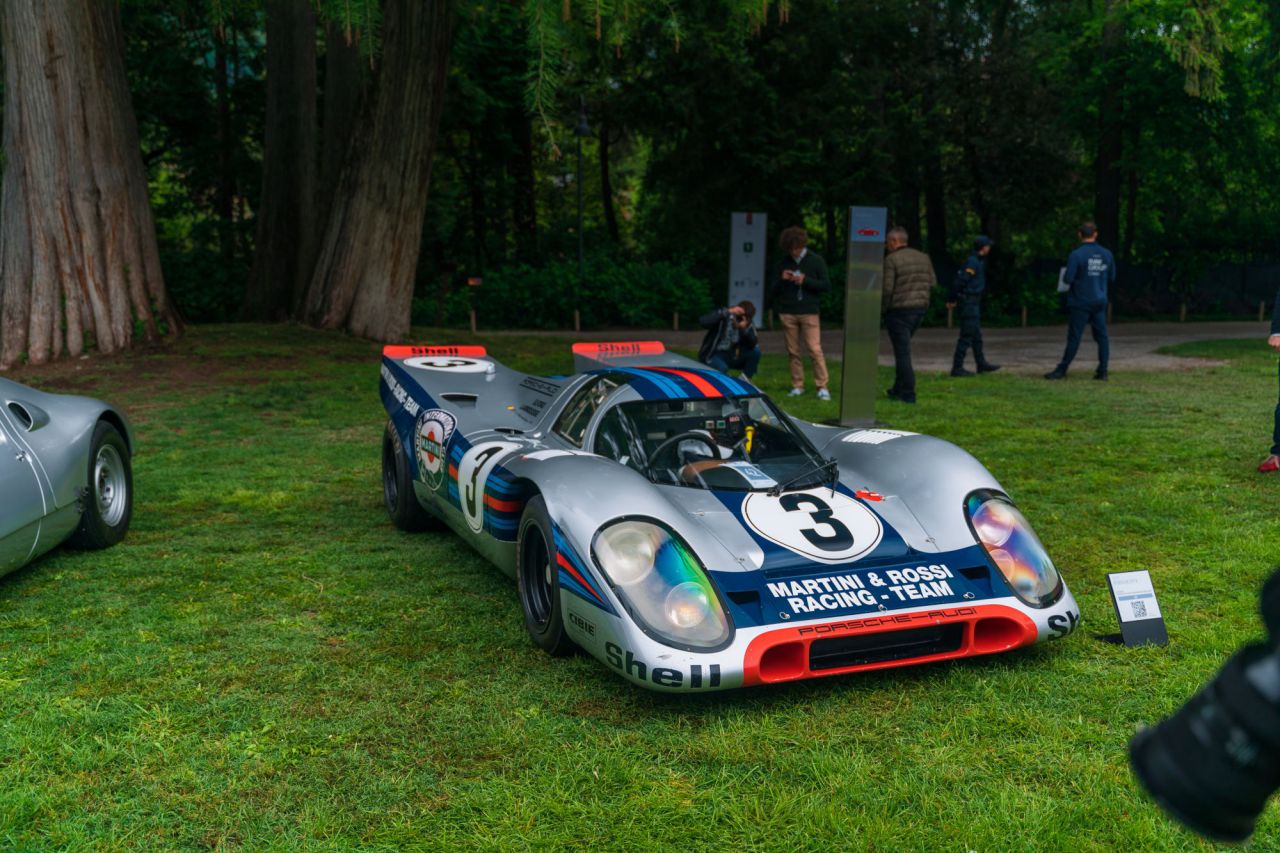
{"points": [[788, 297], [1090, 268], [970, 280], [719, 326], [908, 280]]}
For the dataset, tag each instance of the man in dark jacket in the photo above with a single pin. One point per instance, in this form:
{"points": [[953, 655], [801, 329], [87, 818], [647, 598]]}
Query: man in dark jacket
{"points": [[966, 290], [1272, 462], [904, 298], [797, 289], [1090, 269], [731, 342]]}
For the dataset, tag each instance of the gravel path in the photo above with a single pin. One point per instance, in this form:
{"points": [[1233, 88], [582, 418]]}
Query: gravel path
{"points": [[1031, 350]]}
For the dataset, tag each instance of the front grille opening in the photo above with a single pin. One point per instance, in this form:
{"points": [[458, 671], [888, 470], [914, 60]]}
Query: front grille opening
{"points": [[863, 649]]}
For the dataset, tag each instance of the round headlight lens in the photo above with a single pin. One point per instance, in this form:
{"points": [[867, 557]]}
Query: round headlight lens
{"points": [[627, 551], [662, 585], [994, 522], [1014, 548], [688, 605]]}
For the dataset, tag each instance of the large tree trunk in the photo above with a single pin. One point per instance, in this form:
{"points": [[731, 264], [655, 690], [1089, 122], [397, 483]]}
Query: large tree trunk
{"points": [[345, 79], [286, 230], [364, 274], [1110, 150], [606, 186], [78, 258], [524, 191]]}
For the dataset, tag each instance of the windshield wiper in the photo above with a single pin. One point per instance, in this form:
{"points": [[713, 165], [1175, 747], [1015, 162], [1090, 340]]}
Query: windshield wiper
{"points": [[830, 467]]}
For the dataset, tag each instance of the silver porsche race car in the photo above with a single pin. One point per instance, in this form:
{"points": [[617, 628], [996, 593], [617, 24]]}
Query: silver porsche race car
{"points": [[65, 473], [676, 524]]}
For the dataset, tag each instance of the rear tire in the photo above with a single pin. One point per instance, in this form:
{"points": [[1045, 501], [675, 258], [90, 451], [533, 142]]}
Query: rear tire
{"points": [[108, 500], [538, 580], [397, 486]]}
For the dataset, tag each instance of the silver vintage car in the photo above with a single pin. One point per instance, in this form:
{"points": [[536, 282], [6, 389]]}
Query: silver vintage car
{"points": [[65, 473], [677, 525]]}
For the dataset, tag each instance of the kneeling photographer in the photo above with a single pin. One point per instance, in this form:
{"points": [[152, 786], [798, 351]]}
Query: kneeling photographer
{"points": [[731, 342], [1216, 761]]}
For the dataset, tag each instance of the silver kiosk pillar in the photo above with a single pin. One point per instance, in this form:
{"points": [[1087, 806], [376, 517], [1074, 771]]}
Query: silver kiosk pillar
{"points": [[859, 385]]}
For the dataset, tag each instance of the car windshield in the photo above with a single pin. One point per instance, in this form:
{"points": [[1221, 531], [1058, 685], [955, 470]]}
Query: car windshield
{"points": [[731, 443]]}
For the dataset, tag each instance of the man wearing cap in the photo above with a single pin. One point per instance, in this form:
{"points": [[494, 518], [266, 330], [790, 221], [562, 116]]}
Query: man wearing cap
{"points": [[1090, 268], [967, 290]]}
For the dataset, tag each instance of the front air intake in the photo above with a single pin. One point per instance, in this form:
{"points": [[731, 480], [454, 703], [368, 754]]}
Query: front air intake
{"points": [[864, 649]]}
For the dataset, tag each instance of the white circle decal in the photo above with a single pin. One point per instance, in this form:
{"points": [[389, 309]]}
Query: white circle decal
{"points": [[824, 526], [473, 473], [450, 363]]}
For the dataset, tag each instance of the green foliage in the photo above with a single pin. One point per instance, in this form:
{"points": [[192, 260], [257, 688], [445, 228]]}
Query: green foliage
{"points": [[614, 293], [266, 663]]}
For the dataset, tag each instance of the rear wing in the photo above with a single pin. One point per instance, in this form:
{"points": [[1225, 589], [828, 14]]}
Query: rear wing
{"points": [[605, 354]]}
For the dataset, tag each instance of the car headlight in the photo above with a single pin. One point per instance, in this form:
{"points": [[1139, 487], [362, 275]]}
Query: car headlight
{"points": [[662, 585], [1013, 547]]}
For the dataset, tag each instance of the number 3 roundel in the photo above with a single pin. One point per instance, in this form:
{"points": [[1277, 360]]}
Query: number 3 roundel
{"points": [[820, 525]]}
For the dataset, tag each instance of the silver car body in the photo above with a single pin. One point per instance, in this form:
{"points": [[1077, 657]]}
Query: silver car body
{"points": [[493, 445], [44, 464]]}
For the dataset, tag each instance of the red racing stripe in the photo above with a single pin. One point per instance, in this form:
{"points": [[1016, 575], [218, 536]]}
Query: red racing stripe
{"points": [[501, 505], [568, 567], [707, 389]]}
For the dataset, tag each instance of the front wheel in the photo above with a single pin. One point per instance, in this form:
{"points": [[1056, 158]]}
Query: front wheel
{"points": [[538, 580], [397, 486], [108, 500]]}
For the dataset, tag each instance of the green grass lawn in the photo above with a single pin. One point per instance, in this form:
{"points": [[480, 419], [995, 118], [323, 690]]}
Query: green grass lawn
{"points": [[265, 661]]}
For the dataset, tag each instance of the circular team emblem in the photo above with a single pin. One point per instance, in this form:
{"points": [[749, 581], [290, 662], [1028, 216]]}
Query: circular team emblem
{"points": [[431, 441], [824, 526], [473, 473], [450, 363]]}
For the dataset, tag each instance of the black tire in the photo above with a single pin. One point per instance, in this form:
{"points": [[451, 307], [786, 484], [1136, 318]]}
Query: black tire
{"points": [[108, 500], [538, 580], [397, 486]]}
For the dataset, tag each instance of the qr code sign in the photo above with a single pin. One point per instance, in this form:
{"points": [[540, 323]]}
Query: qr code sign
{"points": [[1139, 610]]}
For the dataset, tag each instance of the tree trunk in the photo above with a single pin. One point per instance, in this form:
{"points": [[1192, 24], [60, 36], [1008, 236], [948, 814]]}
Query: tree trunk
{"points": [[78, 258], [606, 185], [345, 79], [284, 254], [1110, 150], [524, 207], [225, 196], [364, 274]]}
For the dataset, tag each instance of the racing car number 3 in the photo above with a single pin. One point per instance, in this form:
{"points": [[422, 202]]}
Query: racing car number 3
{"points": [[823, 526]]}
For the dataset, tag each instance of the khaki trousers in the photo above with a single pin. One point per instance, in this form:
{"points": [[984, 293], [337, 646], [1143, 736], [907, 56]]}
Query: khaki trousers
{"points": [[804, 327]]}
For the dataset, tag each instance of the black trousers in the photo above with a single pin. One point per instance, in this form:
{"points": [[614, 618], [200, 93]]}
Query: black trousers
{"points": [[1275, 436], [1095, 317], [901, 325], [970, 334]]}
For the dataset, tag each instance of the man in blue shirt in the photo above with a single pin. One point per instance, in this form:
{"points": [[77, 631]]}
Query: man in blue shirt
{"points": [[1090, 269], [1272, 462]]}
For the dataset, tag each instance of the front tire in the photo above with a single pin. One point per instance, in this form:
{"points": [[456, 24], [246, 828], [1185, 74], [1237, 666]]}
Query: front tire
{"points": [[397, 486], [538, 580], [108, 501]]}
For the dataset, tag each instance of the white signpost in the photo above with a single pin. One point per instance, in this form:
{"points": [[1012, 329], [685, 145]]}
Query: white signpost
{"points": [[746, 258]]}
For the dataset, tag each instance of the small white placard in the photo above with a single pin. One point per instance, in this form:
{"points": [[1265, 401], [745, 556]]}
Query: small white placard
{"points": [[1063, 286], [753, 475], [1135, 596]]}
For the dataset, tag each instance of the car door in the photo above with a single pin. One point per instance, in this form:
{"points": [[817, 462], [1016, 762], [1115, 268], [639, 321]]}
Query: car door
{"points": [[22, 504]]}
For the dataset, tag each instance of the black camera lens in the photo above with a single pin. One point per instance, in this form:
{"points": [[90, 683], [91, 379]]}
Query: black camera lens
{"points": [[1214, 763]]}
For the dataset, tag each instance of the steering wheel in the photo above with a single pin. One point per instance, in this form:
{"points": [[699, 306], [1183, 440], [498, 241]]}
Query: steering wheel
{"points": [[675, 440]]}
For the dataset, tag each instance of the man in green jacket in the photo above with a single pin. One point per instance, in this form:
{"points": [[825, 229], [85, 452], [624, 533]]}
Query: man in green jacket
{"points": [[797, 288], [908, 281]]}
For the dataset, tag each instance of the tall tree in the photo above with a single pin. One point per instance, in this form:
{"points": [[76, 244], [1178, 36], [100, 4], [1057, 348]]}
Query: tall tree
{"points": [[286, 232], [1110, 148], [364, 275], [78, 259]]}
